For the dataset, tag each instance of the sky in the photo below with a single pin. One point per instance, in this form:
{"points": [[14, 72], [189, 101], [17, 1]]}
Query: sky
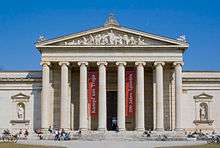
{"points": [[23, 21]]}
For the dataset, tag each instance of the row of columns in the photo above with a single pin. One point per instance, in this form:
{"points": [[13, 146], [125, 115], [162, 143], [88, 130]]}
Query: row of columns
{"points": [[102, 115]]}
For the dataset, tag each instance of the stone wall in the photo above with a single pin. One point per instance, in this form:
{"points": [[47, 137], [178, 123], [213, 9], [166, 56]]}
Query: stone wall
{"points": [[15, 88]]}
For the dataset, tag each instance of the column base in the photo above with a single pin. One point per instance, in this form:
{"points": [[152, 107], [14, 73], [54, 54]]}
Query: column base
{"points": [[83, 129], [178, 129], [102, 129], [66, 129], [122, 129], [139, 129], [159, 129]]}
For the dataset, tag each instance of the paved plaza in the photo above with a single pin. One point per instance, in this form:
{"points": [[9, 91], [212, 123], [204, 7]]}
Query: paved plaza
{"points": [[110, 143]]}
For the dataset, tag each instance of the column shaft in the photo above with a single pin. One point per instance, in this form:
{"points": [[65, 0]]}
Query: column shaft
{"points": [[121, 96], [45, 95], [65, 98], [140, 97], [178, 94], [102, 97], [159, 97], [83, 108]]}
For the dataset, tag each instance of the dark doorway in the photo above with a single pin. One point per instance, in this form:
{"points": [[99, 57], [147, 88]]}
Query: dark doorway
{"points": [[111, 110]]}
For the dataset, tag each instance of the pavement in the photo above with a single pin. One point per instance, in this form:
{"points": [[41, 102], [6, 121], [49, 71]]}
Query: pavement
{"points": [[110, 143]]}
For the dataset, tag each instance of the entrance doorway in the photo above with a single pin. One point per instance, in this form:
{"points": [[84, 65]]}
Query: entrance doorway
{"points": [[111, 110]]}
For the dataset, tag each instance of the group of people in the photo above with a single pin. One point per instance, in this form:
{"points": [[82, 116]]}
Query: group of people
{"points": [[23, 133], [147, 133], [59, 134], [199, 133]]}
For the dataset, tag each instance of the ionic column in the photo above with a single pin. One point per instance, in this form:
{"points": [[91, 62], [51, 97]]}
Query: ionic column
{"points": [[45, 95], [140, 96], [121, 96], [178, 94], [83, 105], [159, 96], [102, 96], [65, 98]]}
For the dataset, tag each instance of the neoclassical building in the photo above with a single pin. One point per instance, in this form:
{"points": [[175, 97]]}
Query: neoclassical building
{"points": [[93, 79]]}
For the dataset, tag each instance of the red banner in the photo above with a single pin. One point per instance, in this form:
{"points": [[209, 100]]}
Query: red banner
{"points": [[93, 92], [130, 77]]}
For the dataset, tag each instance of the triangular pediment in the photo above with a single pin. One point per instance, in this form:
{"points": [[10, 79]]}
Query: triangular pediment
{"points": [[203, 96], [20, 97], [113, 36]]}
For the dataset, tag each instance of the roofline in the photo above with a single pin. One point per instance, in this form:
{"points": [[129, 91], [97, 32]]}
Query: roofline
{"points": [[20, 71], [104, 46], [201, 71], [166, 39]]}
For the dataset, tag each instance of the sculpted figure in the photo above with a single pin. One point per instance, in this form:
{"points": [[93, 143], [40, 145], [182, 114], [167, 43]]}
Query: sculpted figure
{"points": [[91, 40], [70, 43], [119, 40], [203, 111], [126, 39], [20, 112], [84, 41], [78, 42], [111, 37], [132, 41], [98, 39], [105, 39], [66, 43], [140, 42]]}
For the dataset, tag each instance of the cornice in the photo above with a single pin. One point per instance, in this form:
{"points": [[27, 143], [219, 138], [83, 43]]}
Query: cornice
{"points": [[201, 79], [20, 79]]}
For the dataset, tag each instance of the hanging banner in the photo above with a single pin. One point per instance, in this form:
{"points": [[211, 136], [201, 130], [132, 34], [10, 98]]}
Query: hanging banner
{"points": [[93, 92], [130, 77]]}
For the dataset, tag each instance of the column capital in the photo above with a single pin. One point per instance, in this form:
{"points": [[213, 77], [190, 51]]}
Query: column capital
{"points": [[102, 63], [178, 63], [121, 63], [82, 63], [140, 63], [45, 63], [64, 63], [159, 63]]}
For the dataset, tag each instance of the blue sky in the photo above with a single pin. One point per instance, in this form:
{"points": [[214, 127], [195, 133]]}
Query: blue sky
{"points": [[22, 21]]}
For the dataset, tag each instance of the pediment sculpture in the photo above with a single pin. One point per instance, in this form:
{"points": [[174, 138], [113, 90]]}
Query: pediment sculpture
{"points": [[109, 38]]}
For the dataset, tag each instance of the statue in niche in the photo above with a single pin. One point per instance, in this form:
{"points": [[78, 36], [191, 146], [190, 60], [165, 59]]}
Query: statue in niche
{"points": [[20, 111], [203, 111]]}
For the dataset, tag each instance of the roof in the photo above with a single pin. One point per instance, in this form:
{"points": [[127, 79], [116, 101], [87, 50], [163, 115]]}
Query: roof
{"points": [[112, 35]]}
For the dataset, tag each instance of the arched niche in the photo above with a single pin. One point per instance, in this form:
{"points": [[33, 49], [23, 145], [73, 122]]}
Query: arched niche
{"points": [[20, 101], [203, 109]]}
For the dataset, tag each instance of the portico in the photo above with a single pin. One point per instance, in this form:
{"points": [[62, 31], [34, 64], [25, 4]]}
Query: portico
{"points": [[65, 96], [138, 66]]}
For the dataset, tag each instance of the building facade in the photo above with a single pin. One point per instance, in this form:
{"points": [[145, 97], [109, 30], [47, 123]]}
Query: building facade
{"points": [[108, 76]]}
